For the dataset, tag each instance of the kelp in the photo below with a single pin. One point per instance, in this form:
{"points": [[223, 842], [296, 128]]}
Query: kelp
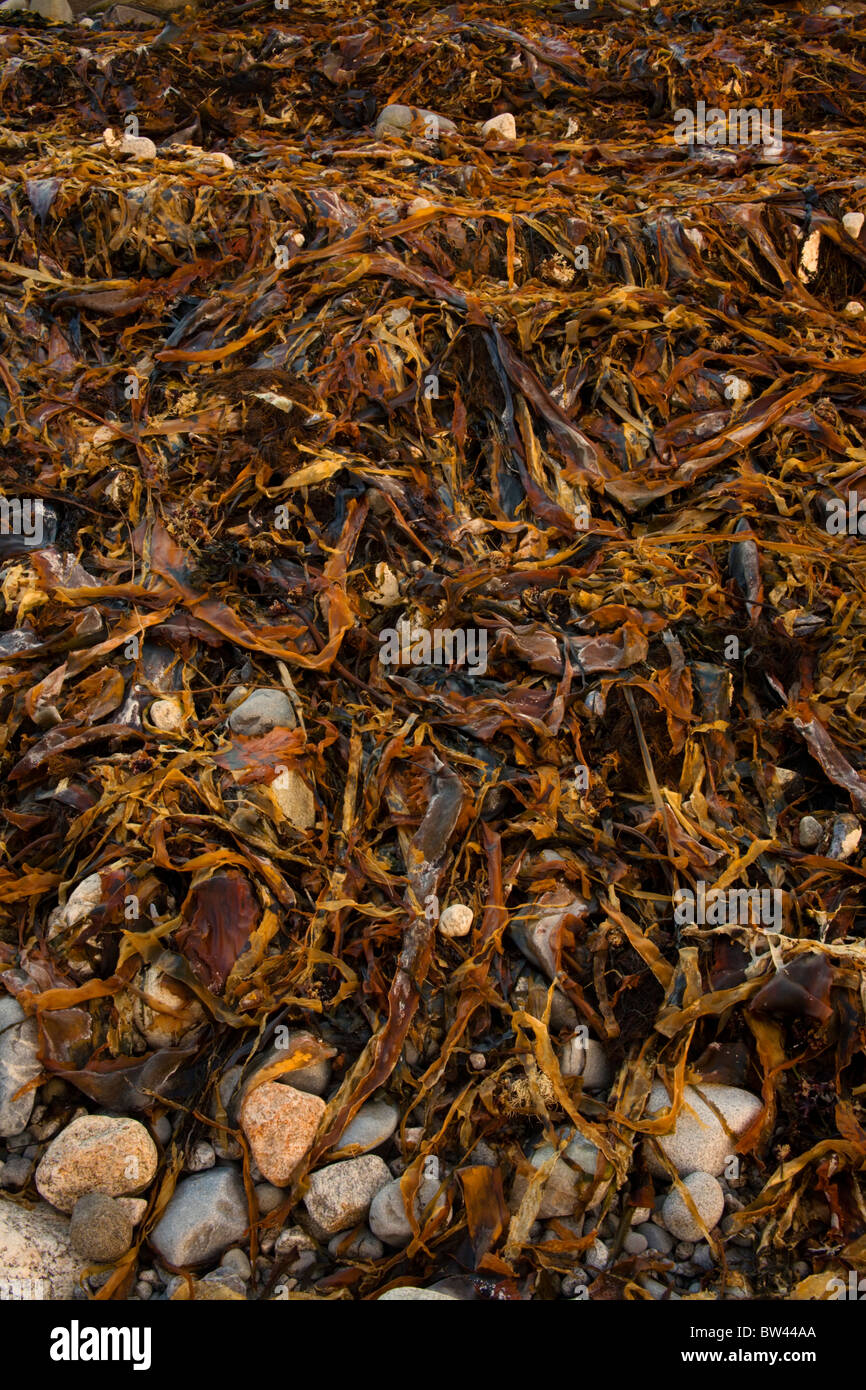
{"points": [[292, 381]]}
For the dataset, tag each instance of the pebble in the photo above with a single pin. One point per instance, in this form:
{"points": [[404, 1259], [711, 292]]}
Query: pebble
{"points": [[684, 1250], [407, 1294], [138, 147], [237, 1261], [504, 126], [809, 832], [280, 1124], [388, 1219], [655, 1288], [15, 1172], [220, 1279], [564, 1185], [635, 1243], [364, 1246], [293, 1242], [19, 1065], [166, 715], [37, 1260], [699, 1142], [294, 798], [78, 907], [639, 1215], [201, 1158], [100, 1228], [373, 1125], [537, 929], [261, 711], [313, 1077], [456, 920], [96, 1153], [404, 121], [656, 1237], [587, 1060], [164, 1011], [143, 1290], [269, 1197], [340, 1194], [597, 1256], [206, 1214], [703, 1256], [709, 1200], [161, 1127], [52, 9]]}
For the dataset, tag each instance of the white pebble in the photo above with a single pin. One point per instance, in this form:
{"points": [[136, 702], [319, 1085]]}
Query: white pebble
{"points": [[137, 146], [709, 1199], [853, 223], [736, 389], [503, 126], [456, 920]]}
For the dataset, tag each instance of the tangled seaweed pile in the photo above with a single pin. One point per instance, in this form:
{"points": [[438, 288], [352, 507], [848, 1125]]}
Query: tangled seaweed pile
{"points": [[306, 344]]}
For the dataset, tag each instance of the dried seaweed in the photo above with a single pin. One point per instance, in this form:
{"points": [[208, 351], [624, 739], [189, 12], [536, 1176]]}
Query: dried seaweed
{"points": [[295, 383]]}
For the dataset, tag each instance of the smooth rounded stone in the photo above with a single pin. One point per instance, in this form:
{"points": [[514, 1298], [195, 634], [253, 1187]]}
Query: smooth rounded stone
{"points": [[37, 1261], [85, 897], [96, 1153], [162, 1129], [222, 1278], [388, 1219], [164, 1010], [699, 1142], [19, 1065], [15, 1172], [407, 1294], [238, 1262], [138, 147], [639, 1215], [340, 1194], [201, 1158], [166, 715], [364, 1246], [313, 1077], [373, 1126], [809, 832], [656, 1237], [503, 126], [280, 1124], [564, 1186], [53, 9], [416, 121], [294, 798], [707, 1196], [262, 711], [657, 1289], [597, 1256], [206, 1214], [703, 1256], [100, 1228], [269, 1197], [456, 920], [587, 1060], [684, 1249], [635, 1243], [293, 1243]]}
